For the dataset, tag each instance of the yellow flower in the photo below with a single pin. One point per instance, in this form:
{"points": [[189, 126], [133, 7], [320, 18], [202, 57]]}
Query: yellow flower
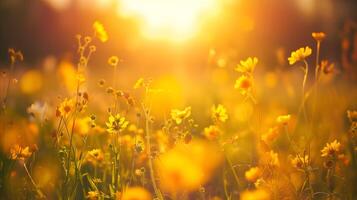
{"points": [[331, 149], [179, 115], [116, 123], [139, 83], [93, 195], [327, 67], [65, 108], [258, 194], [212, 132], [271, 135], [318, 36], [19, 153], [186, 167], [299, 55], [113, 61], [271, 158], [300, 162], [135, 193], [219, 113], [15, 55], [243, 84], [352, 115], [283, 119], [100, 32], [247, 66], [253, 174]]}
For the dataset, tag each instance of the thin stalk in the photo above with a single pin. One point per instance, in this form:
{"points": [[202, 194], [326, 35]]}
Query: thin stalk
{"points": [[306, 72], [39, 192], [148, 143]]}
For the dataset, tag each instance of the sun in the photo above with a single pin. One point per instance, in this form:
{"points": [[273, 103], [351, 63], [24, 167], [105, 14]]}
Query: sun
{"points": [[168, 19]]}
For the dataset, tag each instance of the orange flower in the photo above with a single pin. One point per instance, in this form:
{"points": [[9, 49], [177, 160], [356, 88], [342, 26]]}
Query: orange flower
{"points": [[318, 36]]}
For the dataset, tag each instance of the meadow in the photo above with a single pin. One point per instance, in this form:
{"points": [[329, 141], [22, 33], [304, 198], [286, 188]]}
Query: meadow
{"points": [[236, 129]]}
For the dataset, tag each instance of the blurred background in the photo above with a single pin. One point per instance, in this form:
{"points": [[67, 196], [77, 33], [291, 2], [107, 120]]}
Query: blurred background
{"points": [[175, 30]]}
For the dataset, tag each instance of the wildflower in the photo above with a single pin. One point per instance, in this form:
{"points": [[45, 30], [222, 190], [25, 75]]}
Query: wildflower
{"points": [[271, 135], [179, 115], [38, 110], [243, 84], [331, 149], [247, 66], [326, 67], [15, 55], [219, 113], [101, 82], [116, 123], [95, 156], [212, 132], [65, 108], [318, 36], [300, 162], [283, 119], [139, 83], [186, 167], [271, 158], [110, 90], [19, 153], [352, 115], [83, 125], [93, 195], [258, 194], [113, 61], [100, 32], [135, 193], [299, 55], [253, 174]]}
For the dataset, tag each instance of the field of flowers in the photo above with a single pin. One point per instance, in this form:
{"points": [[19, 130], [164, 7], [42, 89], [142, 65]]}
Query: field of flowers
{"points": [[236, 130]]}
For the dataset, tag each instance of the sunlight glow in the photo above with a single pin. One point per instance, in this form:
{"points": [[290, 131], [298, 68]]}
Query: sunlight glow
{"points": [[168, 19]]}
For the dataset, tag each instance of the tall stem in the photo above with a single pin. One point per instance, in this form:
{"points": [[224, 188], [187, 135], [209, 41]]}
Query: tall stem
{"points": [[33, 183], [148, 143]]}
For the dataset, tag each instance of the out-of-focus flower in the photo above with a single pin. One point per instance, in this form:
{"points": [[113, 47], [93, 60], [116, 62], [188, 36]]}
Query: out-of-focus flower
{"points": [[300, 162], [113, 61], [185, 168], [253, 174], [299, 55], [19, 153], [15, 55], [95, 157], [283, 119], [344, 159], [83, 125], [212, 132], [318, 36], [271, 158], [352, 115], [65, 108], [31, 82], [93, 195], [331, 149], [258, 194], [326, 67], [247, 66], [219, 113], [100, 32], [244, 84], [135, 193], [179, 115], [139, 83], [39, 110], [116, 123], [271, 135]]}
